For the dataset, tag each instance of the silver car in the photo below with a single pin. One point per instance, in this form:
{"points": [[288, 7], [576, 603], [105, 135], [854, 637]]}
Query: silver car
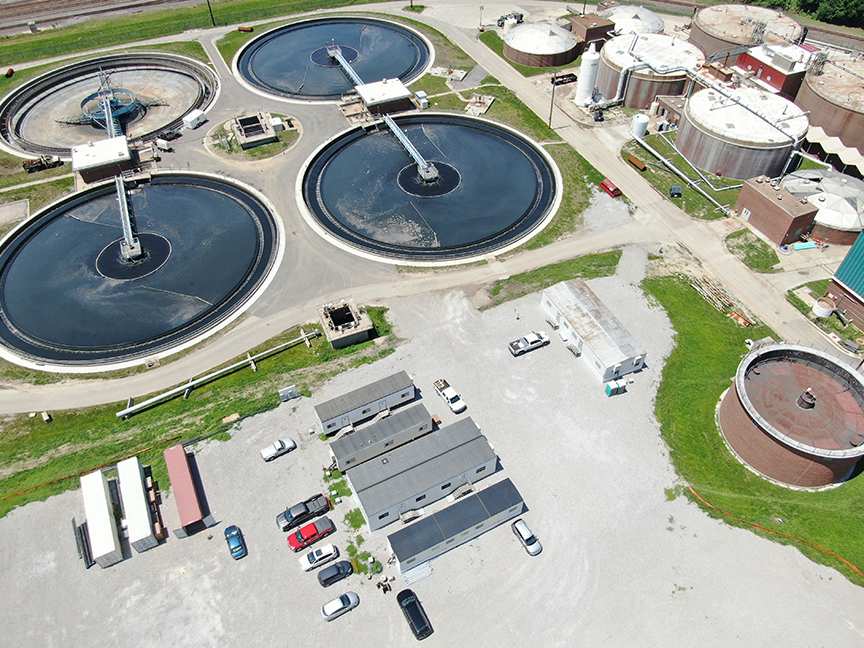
{"points": [[318, 557], [526, 537], [339, 606]]}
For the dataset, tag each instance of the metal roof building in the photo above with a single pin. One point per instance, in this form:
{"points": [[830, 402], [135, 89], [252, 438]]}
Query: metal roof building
{"points": [[368, 442], [101, 525], [455, 525], [421, 472], [183, 488], [608, 348], [365, 402]]}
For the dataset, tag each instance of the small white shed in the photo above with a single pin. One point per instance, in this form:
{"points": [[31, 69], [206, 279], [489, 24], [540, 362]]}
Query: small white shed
{"points": [[607, 347], [136, 509]]}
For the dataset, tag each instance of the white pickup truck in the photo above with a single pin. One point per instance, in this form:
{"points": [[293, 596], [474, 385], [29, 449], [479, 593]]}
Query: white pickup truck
{"points": [[277, 449], [450, 396]]}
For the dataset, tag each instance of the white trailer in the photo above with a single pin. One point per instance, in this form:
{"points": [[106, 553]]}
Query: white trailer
{"points": [[101, 526], [194, 119], [136, 508]]}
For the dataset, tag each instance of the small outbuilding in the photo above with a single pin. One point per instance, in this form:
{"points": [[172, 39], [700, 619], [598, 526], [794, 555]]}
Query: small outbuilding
{"points": [[136, 508], [345, 324], [455, 525], [777, 214], [185, 492], [365, 402], [254, 130], [607, 347], [102, 158], [101, 524], [421, 472], [386, 96], [365, 443]]}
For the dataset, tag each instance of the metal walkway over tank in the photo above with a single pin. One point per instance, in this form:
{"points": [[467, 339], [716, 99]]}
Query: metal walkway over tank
{"points": [[427, 171]]}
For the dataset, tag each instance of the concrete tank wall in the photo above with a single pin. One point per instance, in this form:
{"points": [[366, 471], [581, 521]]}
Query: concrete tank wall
{"points": [[834, 119], [542, 60], [720, 28], [769, 457], [641, 88], [730, 159]]}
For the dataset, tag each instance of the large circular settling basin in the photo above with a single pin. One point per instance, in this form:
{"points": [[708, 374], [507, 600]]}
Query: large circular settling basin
{"points": [[494, 188], [292, 61], [67, 296]]}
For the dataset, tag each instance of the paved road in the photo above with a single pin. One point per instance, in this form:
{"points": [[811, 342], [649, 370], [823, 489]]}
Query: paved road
{"points": [[314, 271]]}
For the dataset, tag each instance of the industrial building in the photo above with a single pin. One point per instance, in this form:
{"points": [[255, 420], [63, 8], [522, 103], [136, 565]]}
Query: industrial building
{"points": [[795, 415], [839, 199], [136, 508], [421, 472], [781, 217], [831, 91], [101, 524], [455, 525], [607, 347], [846, 288], [385, 96], [740, 134], [102, 159], [185, 492], [540, 45], [365, 443], [630, 19], [591, 28], [636, 68], [365, 402], [775, 68], [723, 30]]}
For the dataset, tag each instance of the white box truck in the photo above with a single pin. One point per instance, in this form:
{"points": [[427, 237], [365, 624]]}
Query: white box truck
{"points": [[194, 119]]}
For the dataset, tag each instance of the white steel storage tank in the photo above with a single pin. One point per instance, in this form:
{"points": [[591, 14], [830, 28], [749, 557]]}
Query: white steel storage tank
{"points": [[656, 65], [640, 125], [587, 77], [740, 134]]}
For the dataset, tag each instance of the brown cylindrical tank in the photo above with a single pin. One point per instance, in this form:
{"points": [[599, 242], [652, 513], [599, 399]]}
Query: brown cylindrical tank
{"points": [[660, 67], [728, 137], [806, 437], [835, 99], [724, 28], [541, 45], [833, 236]]}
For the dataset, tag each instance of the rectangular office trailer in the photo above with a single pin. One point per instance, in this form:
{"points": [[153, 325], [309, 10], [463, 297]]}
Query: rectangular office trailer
{"points": [[401, 427], [183, 486], [365, 402], [101, 524], [136, 508]]}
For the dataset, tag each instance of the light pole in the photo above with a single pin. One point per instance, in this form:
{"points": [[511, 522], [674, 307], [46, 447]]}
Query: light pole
{"points": [[212, 19], [481, 16], [552, 103]]}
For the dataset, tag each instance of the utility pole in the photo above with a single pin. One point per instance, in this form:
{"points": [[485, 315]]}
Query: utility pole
{"points": [[212, 19], [552, 103]]}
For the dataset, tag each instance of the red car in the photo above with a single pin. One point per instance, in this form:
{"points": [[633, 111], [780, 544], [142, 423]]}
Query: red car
{"points": [[310, 533]]}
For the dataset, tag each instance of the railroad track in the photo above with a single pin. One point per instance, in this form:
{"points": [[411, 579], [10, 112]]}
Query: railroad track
{"points": [[22, 12]]}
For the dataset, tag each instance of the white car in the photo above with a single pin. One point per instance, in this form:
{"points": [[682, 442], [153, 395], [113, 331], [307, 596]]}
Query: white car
{"points": [[278, 448], [339, 606], [530, 342], [318, 557], [526, 537]]}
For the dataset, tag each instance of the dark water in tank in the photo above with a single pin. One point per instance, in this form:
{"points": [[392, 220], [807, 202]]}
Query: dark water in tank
{"points": [[54, 300], [292, 61]]}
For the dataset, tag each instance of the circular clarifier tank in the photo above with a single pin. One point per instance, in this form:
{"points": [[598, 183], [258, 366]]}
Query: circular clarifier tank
{"points": [[293, 61], [71, 301], [60, 109], [494, 189]]}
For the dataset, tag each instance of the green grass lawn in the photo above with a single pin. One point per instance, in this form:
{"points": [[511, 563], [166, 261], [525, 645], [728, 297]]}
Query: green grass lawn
{"points": [[831, 324], [662, 178], [34, 453], [708, 350], [753, 251], [494, 42], [590, 266]]}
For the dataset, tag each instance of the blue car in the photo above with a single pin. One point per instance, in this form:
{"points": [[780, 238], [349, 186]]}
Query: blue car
{"points": [[236, 545]]}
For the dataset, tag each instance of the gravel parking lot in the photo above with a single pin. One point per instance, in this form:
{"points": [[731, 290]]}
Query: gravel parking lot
{"points": [[621, 566]]}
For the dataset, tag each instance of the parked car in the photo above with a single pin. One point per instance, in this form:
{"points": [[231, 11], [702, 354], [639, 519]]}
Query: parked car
{"points": [[528, 343], [334, 573], [318, 557], [305, 510], [526, 537], [414, 613], [339, 606], [236, 544], [170, 135], [278, 448], [609, 187], [515, 16], [311, 533]]}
